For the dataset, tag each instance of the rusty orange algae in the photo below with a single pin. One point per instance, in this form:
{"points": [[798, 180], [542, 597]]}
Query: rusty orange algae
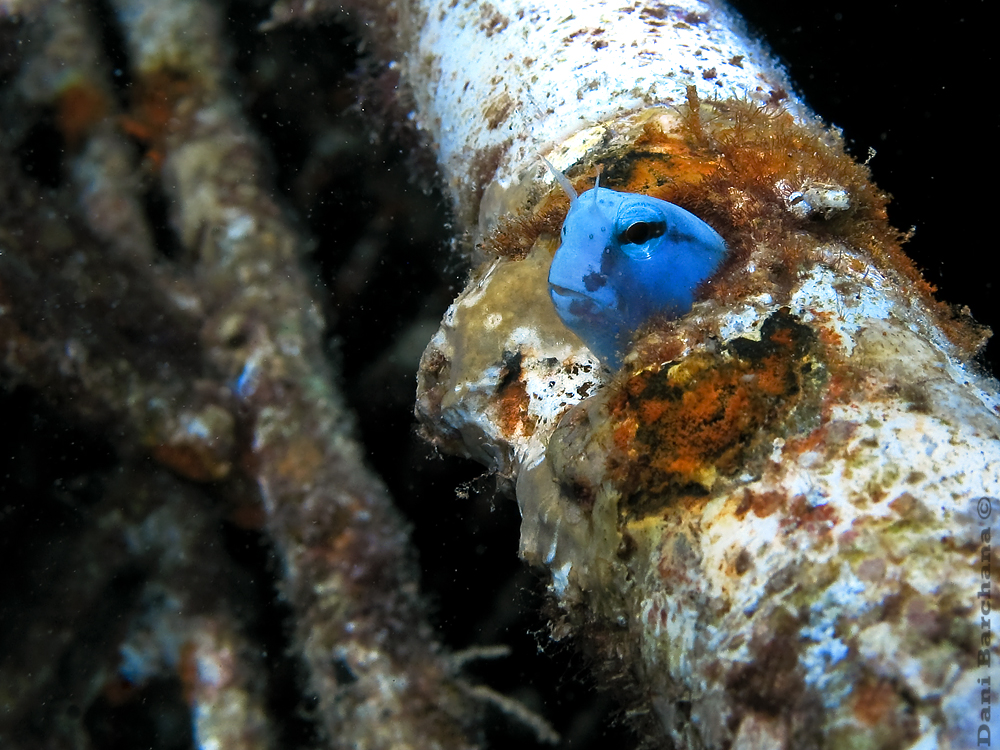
{"points": [[726, 162], [514, 415], [763, 504], [191, 461], [79, 107], [514, 400], [818, 520], [874, 702], [677, 426], [155, 110]]}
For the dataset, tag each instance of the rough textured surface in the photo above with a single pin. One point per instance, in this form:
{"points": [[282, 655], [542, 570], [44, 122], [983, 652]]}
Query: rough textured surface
{"points": [[758, 528], [105, 321], [497, 83], [765, 525], [144, 590], [767, 516], [378, 675], [238, 376]]}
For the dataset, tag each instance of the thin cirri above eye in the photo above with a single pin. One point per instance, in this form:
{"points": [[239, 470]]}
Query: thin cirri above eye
{"points": [[641, 232]]}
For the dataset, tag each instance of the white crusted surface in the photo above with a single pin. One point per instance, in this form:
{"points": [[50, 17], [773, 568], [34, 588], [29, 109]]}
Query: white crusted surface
{"points": [[892, 483], [515, 76], [874, 501], [513, 368]]}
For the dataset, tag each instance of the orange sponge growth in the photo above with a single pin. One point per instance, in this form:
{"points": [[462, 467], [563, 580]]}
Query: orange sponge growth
{"points": [[157, 110], [680, 427], [79, 107]]}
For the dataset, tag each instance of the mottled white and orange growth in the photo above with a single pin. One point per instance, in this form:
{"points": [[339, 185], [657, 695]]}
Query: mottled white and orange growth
{"points": [[768, 525]]}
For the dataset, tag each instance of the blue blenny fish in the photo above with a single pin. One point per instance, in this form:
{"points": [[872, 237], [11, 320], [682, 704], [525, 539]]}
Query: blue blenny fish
{"points": [[624, 258]]}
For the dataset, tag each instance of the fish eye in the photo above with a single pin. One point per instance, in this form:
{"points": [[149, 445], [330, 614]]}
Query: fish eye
{"points": [[641, 232]]}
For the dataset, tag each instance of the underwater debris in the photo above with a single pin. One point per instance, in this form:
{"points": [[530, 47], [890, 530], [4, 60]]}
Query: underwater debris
{"points": [[711, 514], [91, 168], [211, 361]]}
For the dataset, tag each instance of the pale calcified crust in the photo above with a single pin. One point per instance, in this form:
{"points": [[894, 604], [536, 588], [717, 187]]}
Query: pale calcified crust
{"points": [[495, 82], [762, 526]]}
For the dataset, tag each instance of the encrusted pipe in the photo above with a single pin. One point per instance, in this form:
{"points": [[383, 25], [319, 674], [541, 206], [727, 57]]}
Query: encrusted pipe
{"points": [[187, 623], [380, 678], [71, 317], [67, 72], [771, 526]]}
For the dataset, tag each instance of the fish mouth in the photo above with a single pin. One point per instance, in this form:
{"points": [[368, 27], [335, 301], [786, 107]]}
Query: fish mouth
{"points": [[576, 304], [571, 295], [583, 308]]}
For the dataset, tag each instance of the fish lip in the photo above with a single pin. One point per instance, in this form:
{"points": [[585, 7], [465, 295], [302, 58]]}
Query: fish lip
{"points": [[572, 294], [584, 308]]}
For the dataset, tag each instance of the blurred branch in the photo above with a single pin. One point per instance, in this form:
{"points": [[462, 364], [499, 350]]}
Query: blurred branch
{"points": [[96, 322]]}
